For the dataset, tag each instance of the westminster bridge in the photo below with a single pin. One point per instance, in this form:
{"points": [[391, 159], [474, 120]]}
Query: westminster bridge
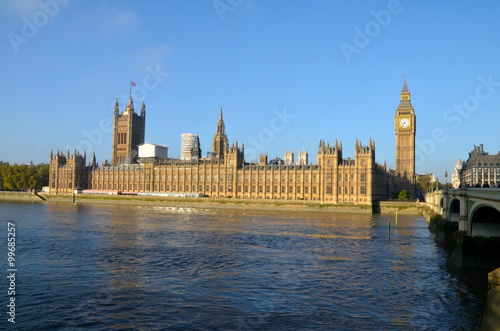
{"points": [[477, 210]]}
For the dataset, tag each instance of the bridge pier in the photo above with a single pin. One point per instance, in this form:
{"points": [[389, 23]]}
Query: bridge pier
{"points": [[463, 222], [445, 212], [471, 230]]}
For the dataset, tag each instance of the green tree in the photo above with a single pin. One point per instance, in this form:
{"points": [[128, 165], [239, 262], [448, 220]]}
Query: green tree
{"points": [[424, 182], [22, 177], [404, 195]]}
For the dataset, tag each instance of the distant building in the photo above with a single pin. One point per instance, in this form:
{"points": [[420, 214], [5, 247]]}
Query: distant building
{"points": [[190, 147], [288, 157], [303, 157], [137, 168], [277, 161], [481, 169], [148, 150], [455, 176]]}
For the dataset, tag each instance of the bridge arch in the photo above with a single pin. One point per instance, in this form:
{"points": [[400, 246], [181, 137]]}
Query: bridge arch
{"points": [[454, 210], [485, 221]]}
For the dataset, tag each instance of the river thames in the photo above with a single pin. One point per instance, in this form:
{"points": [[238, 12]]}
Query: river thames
{"points": [[146, 267]]}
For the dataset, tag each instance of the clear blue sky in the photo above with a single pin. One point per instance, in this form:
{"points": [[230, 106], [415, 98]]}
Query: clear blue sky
{"points": [[63, 65]]}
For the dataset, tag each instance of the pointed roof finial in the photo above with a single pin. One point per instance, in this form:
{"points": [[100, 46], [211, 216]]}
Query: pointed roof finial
{"points": [[143, 108], [405, 87], [117, 108]]}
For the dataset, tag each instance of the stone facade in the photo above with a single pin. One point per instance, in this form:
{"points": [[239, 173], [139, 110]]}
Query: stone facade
{"points": [[128, 133], [333, 179], [405, 128], [481, 169]]}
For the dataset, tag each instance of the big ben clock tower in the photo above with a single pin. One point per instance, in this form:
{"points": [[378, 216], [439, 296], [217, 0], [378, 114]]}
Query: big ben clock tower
{"points": [[405, 128]]}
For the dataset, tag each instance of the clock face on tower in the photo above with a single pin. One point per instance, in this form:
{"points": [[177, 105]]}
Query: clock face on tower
{"points": [[404, 123]]}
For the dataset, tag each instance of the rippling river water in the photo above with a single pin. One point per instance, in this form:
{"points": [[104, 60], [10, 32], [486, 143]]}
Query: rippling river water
{"points": [[96, 266]]}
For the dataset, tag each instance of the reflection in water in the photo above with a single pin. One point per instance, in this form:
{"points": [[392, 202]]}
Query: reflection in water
{"points": [[189, 268]]}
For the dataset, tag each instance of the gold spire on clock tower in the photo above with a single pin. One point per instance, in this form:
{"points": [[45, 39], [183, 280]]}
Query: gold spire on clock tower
{"points": [[405, 129]]}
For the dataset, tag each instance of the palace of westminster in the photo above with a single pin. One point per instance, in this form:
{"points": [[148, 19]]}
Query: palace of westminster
{"points": [[139, 168]]}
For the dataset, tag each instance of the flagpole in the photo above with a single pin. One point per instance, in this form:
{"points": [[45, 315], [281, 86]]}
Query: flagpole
{"points": [[130, 94]]}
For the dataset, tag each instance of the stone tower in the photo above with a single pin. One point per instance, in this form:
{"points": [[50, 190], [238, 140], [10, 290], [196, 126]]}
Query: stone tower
{"points": [[128, 133], [220, 143], [405, 128]]}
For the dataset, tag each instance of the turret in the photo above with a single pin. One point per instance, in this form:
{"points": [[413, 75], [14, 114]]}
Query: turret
{"points": [[220, 143]]}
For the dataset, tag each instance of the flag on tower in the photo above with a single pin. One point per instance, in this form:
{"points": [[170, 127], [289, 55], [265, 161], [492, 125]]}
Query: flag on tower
{"points": [[132, 83]]}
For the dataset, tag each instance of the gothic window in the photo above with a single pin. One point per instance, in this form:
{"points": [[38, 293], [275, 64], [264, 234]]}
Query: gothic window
{"points": [[329, 189], [362, 178]]}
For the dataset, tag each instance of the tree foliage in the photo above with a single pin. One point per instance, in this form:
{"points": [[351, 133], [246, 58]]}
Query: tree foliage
{"points": [[22, 177], [404, 195]]}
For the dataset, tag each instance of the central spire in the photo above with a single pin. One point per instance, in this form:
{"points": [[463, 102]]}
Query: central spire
{"points": [[220, 143], [220, 123], [405, 92]]}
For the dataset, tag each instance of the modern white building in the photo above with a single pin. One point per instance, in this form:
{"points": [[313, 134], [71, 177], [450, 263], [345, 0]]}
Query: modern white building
{"points": [[148, 150], [190, 147]]}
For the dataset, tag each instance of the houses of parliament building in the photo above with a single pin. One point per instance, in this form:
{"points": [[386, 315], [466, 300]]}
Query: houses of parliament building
{"points": [[225, 173]]}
